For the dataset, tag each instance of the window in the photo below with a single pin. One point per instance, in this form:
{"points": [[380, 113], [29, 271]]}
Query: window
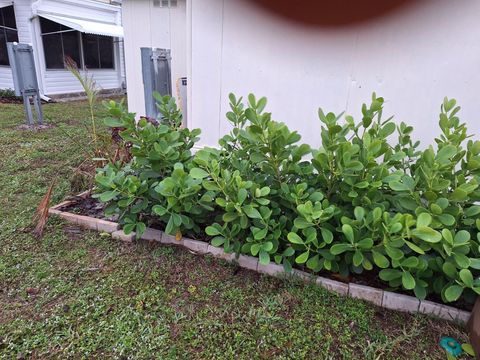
{"points": [[8, 32], [97, 51], [88, 51]]}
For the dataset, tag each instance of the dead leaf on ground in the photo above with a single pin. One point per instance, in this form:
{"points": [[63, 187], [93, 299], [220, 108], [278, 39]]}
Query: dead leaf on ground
{"points": [[41, 215], [32, 291]]}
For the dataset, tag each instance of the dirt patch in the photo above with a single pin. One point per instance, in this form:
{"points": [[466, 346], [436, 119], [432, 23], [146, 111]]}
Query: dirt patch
{"points": [[12, 100], [85, 206]]}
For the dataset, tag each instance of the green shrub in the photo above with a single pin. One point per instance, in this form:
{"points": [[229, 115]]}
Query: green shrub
{"points": [[155, 185], [9, 94], [361, 202]]}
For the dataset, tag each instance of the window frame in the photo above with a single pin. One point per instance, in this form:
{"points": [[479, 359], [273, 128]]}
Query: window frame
{"points": [[81, 66], [3, 28]]}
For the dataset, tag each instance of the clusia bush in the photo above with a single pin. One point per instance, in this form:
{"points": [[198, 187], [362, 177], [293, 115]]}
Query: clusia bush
{"points": [[367, 200]]}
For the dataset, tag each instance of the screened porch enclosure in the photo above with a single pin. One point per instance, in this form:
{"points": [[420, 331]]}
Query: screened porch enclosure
{"points": [[87, 31]]}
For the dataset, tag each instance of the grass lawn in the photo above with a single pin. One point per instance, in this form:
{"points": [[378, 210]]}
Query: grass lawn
{"points": [[77, 294]]}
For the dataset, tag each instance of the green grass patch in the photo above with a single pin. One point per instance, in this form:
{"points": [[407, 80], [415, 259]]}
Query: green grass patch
{"points": [[76, 294]]}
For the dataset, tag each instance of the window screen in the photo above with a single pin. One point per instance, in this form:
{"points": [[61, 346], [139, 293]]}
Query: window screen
{"points": [[87, 50], [98, 51], [59, 42], [8, 32]]}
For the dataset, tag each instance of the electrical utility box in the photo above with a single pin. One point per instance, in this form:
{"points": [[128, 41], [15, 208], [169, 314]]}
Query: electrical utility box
{"points": [[157, 77], [25, 78], [182, 93]]}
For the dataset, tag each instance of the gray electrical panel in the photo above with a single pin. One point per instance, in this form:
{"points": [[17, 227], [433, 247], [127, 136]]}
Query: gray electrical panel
{"points": [[25, 78], [156, 77]]}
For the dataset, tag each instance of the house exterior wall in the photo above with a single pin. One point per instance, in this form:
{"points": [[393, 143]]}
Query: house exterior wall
{"points": [[58, 81], [23, 13], [6, 81], [148, 26], [413, 57]]}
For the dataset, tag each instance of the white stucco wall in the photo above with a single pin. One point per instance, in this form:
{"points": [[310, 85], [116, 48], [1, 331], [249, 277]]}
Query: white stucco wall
{"points": [[413, 57], [148, 26]]}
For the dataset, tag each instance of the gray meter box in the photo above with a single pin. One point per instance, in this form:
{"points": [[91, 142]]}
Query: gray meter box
{"points": [[23, 69], [156, 76], [25, 78]]}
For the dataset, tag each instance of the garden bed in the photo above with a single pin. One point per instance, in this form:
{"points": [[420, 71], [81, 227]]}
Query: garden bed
{"points": [[87, 212]]}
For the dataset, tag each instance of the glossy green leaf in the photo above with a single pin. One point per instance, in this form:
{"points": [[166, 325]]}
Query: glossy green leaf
{"points": [[159, 210], [398, 186], [212, 231], [424, 220], [414, 247], [365, 244], [198, 173], [301, 223], [466, 277], [427, 234], [380, 260], [348, 232], [461, 237], [468, 349], [408, 281], [453, 292], [264, 257], [450, 270], [337, 249], [218, 241], [294, 238], [327, 235], [108, 196], [446, 219], [302, 258], [390, 274], [241, 195], [357, 258], [251, 212], [359, 213], [472, 211]]}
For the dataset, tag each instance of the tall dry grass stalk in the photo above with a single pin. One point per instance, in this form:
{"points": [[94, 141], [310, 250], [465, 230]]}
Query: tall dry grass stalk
{"points": [[91, 90]]}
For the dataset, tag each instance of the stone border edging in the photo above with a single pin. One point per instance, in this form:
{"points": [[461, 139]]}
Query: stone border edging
{"points": [[381, 298]]}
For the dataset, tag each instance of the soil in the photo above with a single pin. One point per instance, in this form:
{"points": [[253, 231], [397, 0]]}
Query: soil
{"points": [[87, 206], [92, 207], [16, 100], [11, 101]]}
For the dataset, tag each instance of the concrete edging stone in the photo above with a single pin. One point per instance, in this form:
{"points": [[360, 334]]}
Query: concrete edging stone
{"points": [[385, 299]]}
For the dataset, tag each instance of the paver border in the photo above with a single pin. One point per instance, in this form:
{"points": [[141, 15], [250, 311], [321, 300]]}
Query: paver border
{"points": [[379, 297]]}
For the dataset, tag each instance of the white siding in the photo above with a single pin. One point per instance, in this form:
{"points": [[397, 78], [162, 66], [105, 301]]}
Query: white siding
{"points": [[6, 80], [63, 82], [413, 57], [22, 15], [84, 9], [158, 27]]}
